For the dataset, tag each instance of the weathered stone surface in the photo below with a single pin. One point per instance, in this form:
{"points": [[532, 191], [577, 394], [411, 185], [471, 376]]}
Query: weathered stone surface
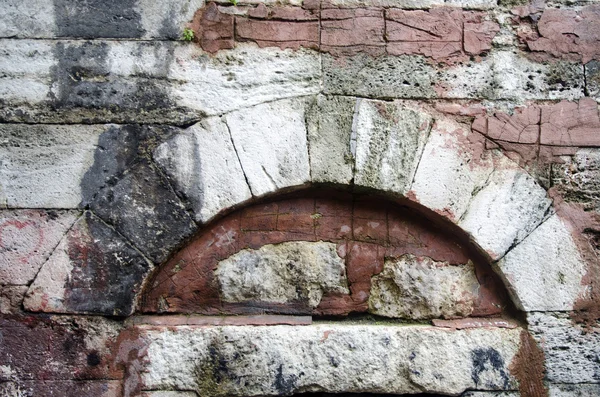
{"points": [[350, 31], [574, 390], [421, 288], [282, 273], [523, 126], [58, 356], [204, 166], [96, 19], [414, 4], [280, 360], [571, 124], [378, 77], [568, 33], [270, 140], [11, 298], [142, 206], [545, 270], [195, 320], [27, 238], [329, 125], [389, 142], [592, 79], [119, 148], [504, 211], [92, 270], [43, 165], [571, 354], [214, 30], [451, 169], [242, 77], [578, 178]]}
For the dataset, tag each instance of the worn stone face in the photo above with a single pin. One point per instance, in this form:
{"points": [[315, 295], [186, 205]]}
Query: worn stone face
{"points": [[389, 142], [578, 178], [545, 271], [330, 125], [509, 194], [204, 166], [143, 207], [271, 143], [92, 270], [43, 165], [592, 79], [420, 288], [571, 353], [293, 271], [27, 238], [280, 360]]}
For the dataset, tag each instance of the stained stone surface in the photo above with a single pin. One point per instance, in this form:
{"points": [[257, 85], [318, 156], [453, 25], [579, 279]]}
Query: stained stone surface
{"points": [[283, 273], [282, 360], [389, 142], [92, 270], [421, 288], [204, 166]]}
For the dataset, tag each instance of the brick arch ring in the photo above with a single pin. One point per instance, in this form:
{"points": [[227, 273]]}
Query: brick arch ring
{"points": [[339, 161]]}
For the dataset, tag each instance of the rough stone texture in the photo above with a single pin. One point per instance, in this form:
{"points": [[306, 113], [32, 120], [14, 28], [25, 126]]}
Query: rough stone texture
{"points": [[569, 33], [130, 19], [350, 31], [204, 166], [578, 178], [505, 210], [282, 360], [92, 270], [329, 123], [214, 29], [27, 238], [571, 354], [42, 166], [592, 79], [389, 142], [58, 356], [271, 143], [143, 207], [421, 288], [11, 298], [282, 273], [570, 390], [571, 124], [242, 77], [451, 169], [545, 271]]}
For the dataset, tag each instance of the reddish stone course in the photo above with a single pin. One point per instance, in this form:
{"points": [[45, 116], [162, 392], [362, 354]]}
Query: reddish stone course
{"points": [[568, 34], [544, 131], [176, 320], [365, 230], [440, 33]]}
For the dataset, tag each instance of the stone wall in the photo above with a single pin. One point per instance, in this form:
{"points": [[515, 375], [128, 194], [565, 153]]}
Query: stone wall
{"points": [[320, 196]]}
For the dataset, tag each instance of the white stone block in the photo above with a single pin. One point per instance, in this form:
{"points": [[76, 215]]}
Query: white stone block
{"points": [[270, 140], [204, 166]]}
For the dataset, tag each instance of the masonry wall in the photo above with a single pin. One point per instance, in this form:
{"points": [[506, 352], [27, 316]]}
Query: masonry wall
{"points": [[327, 196]]}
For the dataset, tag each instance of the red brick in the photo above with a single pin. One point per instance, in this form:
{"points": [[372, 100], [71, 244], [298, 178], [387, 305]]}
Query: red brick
{"points": [[374, 230], [264, 222], [363, 260], [296, 223], [333, 227], [328, 207], [297, 206]]}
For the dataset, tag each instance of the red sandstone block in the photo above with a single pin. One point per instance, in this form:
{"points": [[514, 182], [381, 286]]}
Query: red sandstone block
{"points": [[370, 209], [569, 33], [349, 31], [521, 127], [478, 36], [282, 34], [292, 14], [214, 29], [431, 49], [297, 206], [260, 210], [374, 230], [571, 124], [327, 207], [437, 25]]}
